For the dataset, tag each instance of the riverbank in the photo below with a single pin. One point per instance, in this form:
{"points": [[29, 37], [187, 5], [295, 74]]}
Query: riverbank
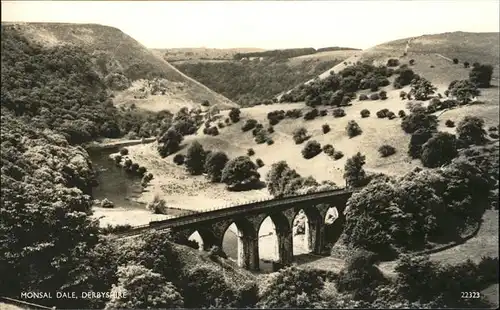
{"points": [[181, 190]]}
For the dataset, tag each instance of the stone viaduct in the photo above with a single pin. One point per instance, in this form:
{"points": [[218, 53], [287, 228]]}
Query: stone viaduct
{"points": [[212, 225]]}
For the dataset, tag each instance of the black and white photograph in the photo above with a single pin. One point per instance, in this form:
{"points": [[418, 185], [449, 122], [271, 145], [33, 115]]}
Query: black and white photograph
{"points": [[250, 154]]}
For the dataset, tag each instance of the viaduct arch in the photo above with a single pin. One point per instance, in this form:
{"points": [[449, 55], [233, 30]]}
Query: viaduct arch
{"points": [[248, 218]]}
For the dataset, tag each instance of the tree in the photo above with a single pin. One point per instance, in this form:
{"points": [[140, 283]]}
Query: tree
{"points": [[361, 277], [455, 61], [466, 64], [141, 288], [471, 130], [283, 181], [421, 89], [240, 171], [234, 115], [365, 113], [480, 75], [418, 138], [354, 174], [405, 77], [311, 149], [382, 95], [292, 288], [300, 135], [206, 288], [195, 158], [439, 150], [419, 119], [353, 129], [169, 142], [464, 91], [214, 165], [325, 128]]}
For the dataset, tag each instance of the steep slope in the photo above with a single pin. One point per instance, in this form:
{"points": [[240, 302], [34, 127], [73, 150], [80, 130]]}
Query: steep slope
{"points": [[114, 51], [436, 50]]}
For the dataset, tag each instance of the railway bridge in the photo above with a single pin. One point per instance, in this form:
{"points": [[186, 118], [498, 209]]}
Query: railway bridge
{"points": [[212, 225]]}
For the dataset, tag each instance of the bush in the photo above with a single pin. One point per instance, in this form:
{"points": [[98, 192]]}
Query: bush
{"points": [[338, 112], [365, 113], [386, 150], [326, 128], [141, 170], [221, 125], [311, 149], [391, 115], [338, 155], [412, 62], [466, 64], [259, 162], [250, 152], [493, 128], [270, 129], [311, 114], [439, 150], [382, 94], [106, 203], [353, 129], [455, 60], [124, 151], [392, 62], [401, 113], [211, 131], [493, 135], [234, 115], [363, 97], [402, 95], [179, 159], [205, 103], [157, 206], [300, 135], [382, 113], [249, 125], [118, 159], [450, 123], [269, 141], [374, 96], [328, 149], [323, 112]]}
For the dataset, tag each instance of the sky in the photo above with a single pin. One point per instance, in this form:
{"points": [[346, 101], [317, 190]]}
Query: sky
{"points": [[266, 24]]}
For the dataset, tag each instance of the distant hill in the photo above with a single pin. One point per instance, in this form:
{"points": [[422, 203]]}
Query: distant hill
{"points": [[203, 53], [115, 51], [254, 77], [435, 50]]}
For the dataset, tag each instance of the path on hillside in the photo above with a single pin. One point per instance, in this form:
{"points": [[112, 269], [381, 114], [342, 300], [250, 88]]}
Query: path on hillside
{"points": [[444, 57], [223, 98]]}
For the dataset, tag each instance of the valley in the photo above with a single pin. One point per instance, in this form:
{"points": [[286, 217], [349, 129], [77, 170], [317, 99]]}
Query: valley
{"points": [[380, 167]]}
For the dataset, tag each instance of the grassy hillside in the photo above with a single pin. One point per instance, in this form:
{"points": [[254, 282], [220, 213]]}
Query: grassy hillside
{"points": [[186, 191], [251, 82], [435, 50], [114, 51]]}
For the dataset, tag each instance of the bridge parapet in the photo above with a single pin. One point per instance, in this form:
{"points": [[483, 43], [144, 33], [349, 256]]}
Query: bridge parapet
{"points": [[189, 217]]}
